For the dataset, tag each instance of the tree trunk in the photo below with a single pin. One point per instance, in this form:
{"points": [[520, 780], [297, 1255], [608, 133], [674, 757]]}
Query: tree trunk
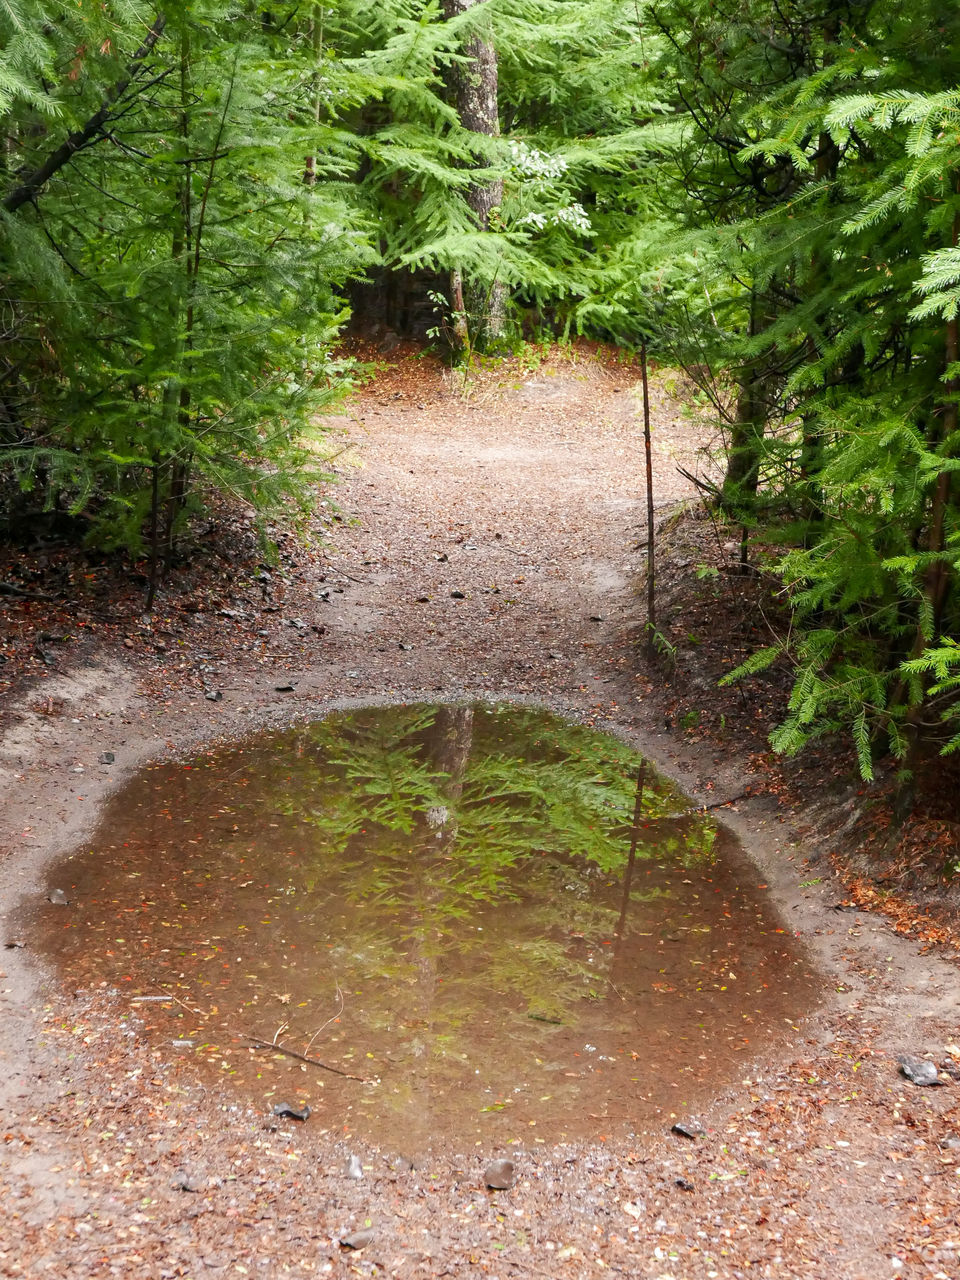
{"points": [[474, 86], [450, 744], [738, 494], [938, 577], [826, 164], [651, 537], [316, 49], [631, 861]]}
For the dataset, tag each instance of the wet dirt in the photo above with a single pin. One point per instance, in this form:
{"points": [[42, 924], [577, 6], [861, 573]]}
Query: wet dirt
{"points": [[466, 912], [818, 1158]]}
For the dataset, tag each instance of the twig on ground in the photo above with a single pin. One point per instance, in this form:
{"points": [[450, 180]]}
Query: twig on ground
{"points": [[258, 1043], [11, 589], [326, 1024], [707, 808], [201, 1013]]}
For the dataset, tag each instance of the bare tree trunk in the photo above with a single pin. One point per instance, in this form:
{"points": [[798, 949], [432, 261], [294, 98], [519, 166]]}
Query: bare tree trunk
{"points": [[451, 741], [631, 860], [316, 48], [651, 537], [154, 532], [475, 86], [739, 490]]}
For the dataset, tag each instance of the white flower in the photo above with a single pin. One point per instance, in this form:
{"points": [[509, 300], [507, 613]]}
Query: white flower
{"points": [[574, 216], [528, 162]]}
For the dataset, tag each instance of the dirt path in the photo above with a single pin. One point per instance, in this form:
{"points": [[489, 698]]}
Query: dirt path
{"points": [[482, 547]]}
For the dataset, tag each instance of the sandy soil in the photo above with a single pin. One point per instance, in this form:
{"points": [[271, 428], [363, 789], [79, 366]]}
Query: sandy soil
{"points": [[525, 499]]}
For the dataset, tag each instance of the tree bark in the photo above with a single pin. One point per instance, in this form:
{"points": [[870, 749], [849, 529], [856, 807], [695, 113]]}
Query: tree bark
{"points": [[651, 537], [938, 577], [738, 493], [475, 88]]}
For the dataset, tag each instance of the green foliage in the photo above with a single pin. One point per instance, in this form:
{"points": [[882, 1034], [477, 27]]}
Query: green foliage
{"points": [[767, 194], [175, 281], [818, 160]]}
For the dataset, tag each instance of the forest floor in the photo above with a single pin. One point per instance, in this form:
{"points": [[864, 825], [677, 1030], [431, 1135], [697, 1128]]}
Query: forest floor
{"points": [[522, 494]]}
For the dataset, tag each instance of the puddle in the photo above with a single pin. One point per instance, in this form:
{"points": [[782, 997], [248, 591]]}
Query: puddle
{"points": [[441, 901]]}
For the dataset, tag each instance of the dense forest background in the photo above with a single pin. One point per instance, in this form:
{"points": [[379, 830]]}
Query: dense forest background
{"points": [[765, 193]]}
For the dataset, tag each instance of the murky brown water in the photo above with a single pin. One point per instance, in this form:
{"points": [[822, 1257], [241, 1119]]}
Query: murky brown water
{"points": [[441, 901]]}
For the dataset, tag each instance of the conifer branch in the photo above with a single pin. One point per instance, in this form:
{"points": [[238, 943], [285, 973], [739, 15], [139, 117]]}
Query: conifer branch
{"points": [[91, 132]]}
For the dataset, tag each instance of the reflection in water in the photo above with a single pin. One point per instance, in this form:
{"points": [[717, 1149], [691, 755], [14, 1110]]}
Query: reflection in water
{"points": [[477, 909]]}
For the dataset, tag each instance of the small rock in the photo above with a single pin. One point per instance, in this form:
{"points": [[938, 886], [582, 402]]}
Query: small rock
{"points": [[457, 595], [688, 1129], [919, 1070], [14, 946], [284, 688], [597, 617], [58, 898], [401, 1164], [354, 1168], [685, 1185], [405, 647], [442, 558], [294, 1113], [183, 1182], [106, 757], [500, 1175], [423, 599], [358, 1239], [213, 695]]}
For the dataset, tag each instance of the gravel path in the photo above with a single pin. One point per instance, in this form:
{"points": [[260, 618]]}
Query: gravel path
{"points": [[480, 546]]}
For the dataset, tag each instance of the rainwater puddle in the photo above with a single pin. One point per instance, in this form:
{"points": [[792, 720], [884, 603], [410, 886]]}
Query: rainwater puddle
{"points": [[440, 903]]}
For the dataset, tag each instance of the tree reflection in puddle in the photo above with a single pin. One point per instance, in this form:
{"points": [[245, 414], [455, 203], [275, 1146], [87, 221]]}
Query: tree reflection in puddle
{"points": [[463, 905]]}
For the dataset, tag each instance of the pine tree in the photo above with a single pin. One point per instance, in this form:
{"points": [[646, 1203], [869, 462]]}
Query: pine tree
{"points": [[178, 276]]}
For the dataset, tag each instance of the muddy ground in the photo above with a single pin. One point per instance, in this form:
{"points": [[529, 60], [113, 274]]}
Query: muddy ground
{"points": [[523, 496]]}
